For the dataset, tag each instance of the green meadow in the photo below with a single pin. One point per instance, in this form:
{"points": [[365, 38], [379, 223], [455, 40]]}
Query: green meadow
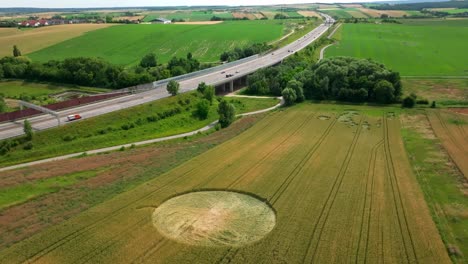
{"points": [[414, 48], [127, 44]]}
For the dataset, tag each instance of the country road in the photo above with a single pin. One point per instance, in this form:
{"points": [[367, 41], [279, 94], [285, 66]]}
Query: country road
{"points": [[42, 122]]}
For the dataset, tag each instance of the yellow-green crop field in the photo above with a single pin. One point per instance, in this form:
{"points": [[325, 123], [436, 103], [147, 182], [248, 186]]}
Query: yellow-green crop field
{"points": [[338, 181]]}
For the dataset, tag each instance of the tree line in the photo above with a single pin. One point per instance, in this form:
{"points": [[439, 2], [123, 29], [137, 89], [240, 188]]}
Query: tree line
{"points": [[338, 78], [95, 72], [240, 53]]}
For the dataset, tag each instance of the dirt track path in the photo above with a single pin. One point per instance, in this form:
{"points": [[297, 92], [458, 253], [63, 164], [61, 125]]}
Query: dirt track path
{"points": [[145, 142]]}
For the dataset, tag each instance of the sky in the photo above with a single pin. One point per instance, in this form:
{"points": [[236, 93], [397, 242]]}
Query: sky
{"points": [[132, 3]]}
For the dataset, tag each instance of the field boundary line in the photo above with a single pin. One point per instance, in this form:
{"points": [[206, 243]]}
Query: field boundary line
{"points": [[332, 194], [397, 192], [138, 143]]}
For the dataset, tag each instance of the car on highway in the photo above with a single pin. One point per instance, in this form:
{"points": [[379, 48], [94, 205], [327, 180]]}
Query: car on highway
{"points": [[73, 117], [229, 75]]}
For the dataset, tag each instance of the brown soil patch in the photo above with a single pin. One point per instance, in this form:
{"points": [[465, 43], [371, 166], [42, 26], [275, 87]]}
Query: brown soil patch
{"points": [[419, 123], [241, 15], [378, 13], [351, 5], [214, 218], [12, 103], [309, 14], [199, 23], [463, 111], [129, 18]]}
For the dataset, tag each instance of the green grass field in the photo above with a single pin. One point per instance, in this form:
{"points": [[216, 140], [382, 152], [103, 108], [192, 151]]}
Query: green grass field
{"points": [[338, 13], [206, 42], [126, 126], [456, 11], [443, 91], [415, 48]]}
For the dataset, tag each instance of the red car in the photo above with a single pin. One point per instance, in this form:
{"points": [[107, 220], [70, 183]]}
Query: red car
{"points": [[73, 117]]}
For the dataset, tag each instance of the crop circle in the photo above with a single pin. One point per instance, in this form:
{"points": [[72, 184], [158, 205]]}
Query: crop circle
{"points": [[214, 218]]}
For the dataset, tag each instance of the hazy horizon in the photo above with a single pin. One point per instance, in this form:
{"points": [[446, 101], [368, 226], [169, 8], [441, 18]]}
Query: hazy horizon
{"points": [[150, 3]]}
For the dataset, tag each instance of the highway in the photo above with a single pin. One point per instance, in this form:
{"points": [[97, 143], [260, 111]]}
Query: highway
{"points": [[42, 122]]}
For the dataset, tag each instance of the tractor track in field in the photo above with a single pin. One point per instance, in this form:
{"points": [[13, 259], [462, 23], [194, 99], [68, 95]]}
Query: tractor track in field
{"points": [[231, 253], [396, 193], [151, 251], [238, 179], [332, 196], [274, 198], [39, 254], [259, 162], [446, 129], [112, 241], [370, 174]]}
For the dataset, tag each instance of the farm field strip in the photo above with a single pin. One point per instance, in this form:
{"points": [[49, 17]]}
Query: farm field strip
{"points": [[205, 42], [414, 48], [453, 135], [35, 39], [326, 173]]}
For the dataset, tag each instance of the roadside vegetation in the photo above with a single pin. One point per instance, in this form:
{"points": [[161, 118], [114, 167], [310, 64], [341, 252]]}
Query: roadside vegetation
{"points": [[165, 117]]}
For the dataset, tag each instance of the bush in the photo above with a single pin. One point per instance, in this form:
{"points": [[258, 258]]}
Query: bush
{"points": [[127, 126], [68, 138], [28, 131], [209, 93], [227, 113], [202, 109], [408, 102], [201, 87], [148, 61], [173, 87], [28, 146], [384, 92], [433, 105]]}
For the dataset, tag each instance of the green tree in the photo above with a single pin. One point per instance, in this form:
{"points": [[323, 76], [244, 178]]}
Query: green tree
{"points": [[149, 60], [433, 105], [384, 92], [201, 87], [109, 19], [16, 51], [173, 87], [203, 109], [289, 96], [297, 87], [408, 102], [209, 93], [227, 113], [28, 131]]}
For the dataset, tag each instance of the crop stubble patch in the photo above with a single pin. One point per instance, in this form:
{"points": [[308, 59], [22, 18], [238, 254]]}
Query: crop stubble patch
{"points": [[214, 218]]}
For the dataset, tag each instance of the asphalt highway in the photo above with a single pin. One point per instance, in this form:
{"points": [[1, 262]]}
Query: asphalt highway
{"points": [[42, 122]]}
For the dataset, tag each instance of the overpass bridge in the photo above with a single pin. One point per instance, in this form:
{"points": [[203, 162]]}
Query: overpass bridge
{"points": [[223, 76]]}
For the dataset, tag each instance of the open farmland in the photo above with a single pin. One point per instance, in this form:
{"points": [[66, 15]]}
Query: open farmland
{"points": [[415, 48], [452, 129], [35, 39], [205, 42], [189, 15], [345, 171], [443, 91]]}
